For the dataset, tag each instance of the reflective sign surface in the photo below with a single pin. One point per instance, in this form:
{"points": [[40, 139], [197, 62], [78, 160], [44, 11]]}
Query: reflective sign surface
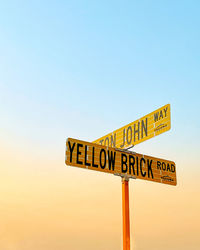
{"points": [[124, 163], [151, 125]]}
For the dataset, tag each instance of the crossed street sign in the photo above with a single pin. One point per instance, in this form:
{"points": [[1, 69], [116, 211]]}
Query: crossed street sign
{"points": [[109, 154]]}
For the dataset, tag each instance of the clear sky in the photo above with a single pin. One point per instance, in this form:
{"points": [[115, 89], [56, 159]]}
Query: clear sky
{"points": [[83, 69]]}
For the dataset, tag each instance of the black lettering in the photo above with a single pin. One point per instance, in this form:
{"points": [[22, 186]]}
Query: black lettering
{"points": [[161, 115], [149, 163], [104, 163], [156, 116], [168, 167], [106, 140], [142, 160], [137, 131], [163, 166], [124, 163], [121, 146], [86, 163], [93, 164], [79, 145], [113, 141], [101, 142], [165, 110], [129, 138], [144, 127], [158, 165], [131, 164], [172, 168], [111, 159], [71, 149], [137, 166]]}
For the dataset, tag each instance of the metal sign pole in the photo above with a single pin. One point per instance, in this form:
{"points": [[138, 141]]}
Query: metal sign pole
{"points": [[125, 211]]}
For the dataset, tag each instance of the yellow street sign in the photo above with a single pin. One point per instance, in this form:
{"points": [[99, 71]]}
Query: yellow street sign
{"points": [[151, 125], [119, 162]]}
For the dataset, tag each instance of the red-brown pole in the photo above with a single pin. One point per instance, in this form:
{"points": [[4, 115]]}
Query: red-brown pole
{"points": [[125, 211]]}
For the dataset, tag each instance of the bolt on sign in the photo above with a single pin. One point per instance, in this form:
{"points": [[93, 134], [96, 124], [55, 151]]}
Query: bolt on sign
{"points": [[151, 125], [119, 162]]}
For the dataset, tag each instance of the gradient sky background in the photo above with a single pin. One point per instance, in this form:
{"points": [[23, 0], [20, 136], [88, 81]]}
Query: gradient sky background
{"points": [[82, 69]]}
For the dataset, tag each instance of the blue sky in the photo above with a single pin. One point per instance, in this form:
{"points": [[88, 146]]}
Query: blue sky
{"points": [[83, 69]]}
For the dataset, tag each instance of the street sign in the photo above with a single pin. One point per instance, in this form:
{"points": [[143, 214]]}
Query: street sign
{"points": [[140, 130], [119, 162]]}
